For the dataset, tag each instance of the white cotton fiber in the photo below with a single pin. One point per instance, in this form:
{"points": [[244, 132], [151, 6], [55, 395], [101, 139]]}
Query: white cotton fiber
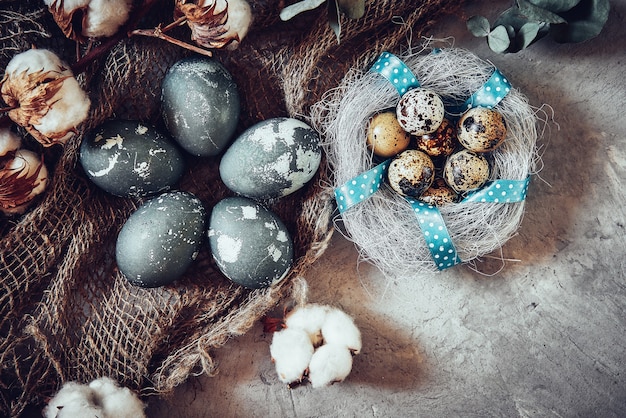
{"points": [[291, 351], [339, 329], [329, 364]]}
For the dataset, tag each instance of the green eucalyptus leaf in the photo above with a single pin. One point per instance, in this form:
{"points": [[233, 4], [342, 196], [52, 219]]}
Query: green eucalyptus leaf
{"points": [[556, 6], [537, 14], [511, 17], [299, 7], [585, 21], [527, 34], [510, 30], [498, 39], [333, 18], [353, 9], [478, 26]]}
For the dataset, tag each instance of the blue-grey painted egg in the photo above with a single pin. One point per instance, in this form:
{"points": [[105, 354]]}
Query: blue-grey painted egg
{"points": [[466, 170], [249, 243], [271, 159], [131, 158], [200, 105], [161, 239]]}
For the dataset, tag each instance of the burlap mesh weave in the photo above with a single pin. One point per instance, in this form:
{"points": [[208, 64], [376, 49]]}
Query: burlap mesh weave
{"points": [[66, 313]]}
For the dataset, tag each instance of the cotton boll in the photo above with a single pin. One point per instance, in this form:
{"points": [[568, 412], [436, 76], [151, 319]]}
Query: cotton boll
{"points": [[329, 364], [239, 20], [291, 351], [68, 5], [116, 401], [44, 96], [216, 23], [80, 19], [9, 141], [18, 193], [37, 59], [310, 318], [73, 400], [105, 17], [339, 328], [70, 108]]}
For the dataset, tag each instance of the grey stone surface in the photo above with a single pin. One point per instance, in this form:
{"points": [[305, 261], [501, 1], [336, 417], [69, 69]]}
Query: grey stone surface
{"points": [[541, 334]]}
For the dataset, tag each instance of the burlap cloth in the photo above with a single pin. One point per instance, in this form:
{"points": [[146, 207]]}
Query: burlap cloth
{"points": [[66, 313]]}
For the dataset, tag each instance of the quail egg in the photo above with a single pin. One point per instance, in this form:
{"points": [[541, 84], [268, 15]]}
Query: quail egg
{"points": [[420, 111], [442, 142], [411, 173], [439, 193], [385, 136], [466, 170], [481, 129]]}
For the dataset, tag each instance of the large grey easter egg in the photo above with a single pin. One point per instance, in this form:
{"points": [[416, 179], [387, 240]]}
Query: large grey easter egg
{"points": [[161, 239], [200, 105], [271, 159], [130, 158], [249, 243]]}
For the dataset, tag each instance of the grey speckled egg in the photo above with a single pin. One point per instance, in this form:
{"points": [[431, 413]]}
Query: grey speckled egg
{"points": [[271, 159], [481, 129], [420, 111], [161, 239], [200, 105], [439, 193], [250, 244], [130, 158], [466, 170], [411, 173]]}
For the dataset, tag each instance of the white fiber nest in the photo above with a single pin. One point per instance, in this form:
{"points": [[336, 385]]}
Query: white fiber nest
{"points": [[384, 227]]}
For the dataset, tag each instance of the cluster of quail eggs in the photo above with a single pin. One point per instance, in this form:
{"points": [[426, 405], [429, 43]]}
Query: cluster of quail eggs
{"points": [[434, 159]]}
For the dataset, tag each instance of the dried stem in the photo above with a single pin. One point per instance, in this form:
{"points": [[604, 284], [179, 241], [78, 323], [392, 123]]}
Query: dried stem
{"points": [[159, 33]]}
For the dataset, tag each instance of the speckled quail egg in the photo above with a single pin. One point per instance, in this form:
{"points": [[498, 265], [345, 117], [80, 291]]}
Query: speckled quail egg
{"points": [[481, 129], [439, 193], [442, 142], [411, 173], [385, 136], [466, 170], [420, 111]]}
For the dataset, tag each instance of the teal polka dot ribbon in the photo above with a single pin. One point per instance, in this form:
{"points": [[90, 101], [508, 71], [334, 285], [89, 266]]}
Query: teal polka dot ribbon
{"points": [[360, 188], [436, 234], [500, 191], [491, 93], [433, 227], [396, 72]]}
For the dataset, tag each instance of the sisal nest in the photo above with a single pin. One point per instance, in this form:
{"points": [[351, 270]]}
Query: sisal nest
{"points": [[66, 313], [384, 227]]}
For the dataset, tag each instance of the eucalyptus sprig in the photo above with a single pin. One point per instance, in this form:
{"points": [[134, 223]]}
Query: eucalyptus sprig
{"points": [[566, 21], [352, 9]]}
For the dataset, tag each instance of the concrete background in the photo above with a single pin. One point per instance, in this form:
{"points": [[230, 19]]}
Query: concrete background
{"points": [[542, 334]]}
